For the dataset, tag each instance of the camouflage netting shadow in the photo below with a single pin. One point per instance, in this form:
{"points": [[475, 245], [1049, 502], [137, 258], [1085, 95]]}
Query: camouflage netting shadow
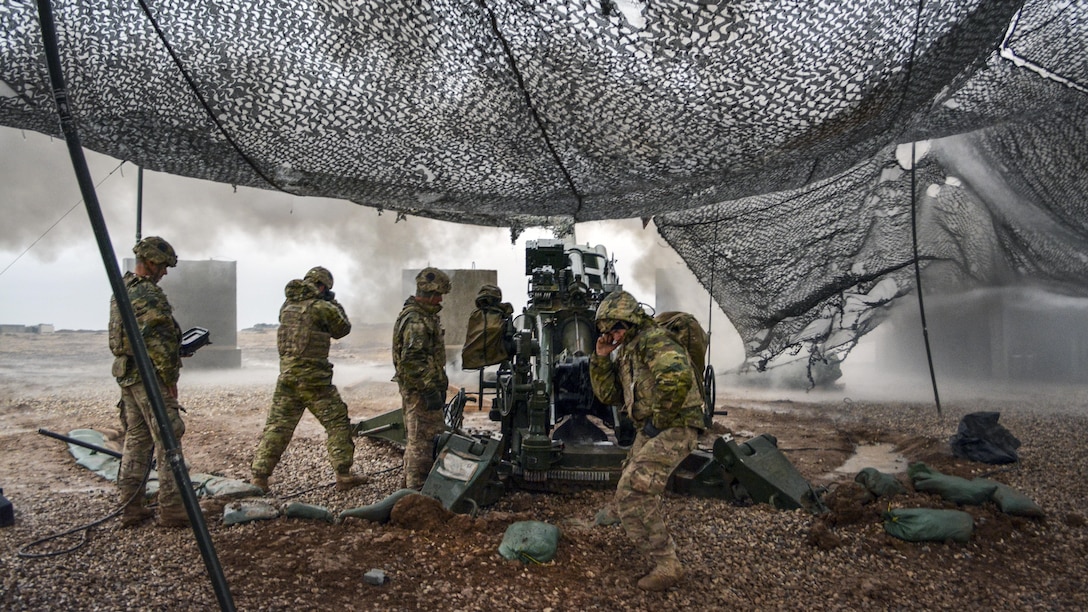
{"points": [[761, 136]]}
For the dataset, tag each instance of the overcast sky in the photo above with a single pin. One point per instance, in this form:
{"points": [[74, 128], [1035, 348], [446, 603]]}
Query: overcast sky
{"points": [[272, 236]]}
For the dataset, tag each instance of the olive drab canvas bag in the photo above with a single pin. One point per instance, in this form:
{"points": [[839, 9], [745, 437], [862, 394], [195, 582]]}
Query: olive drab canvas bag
{"points": [[489, 336]]}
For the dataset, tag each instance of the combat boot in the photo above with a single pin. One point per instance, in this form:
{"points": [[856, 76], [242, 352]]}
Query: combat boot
{"points": [[665, 575], [134, 514], [173, 516], [606, 517], [345, 482], [261, 482]]}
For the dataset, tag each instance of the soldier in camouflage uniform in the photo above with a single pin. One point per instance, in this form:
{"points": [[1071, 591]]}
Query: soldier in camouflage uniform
{"points": [[162, 336], [419, 357], [638, 366], [309, 319]]}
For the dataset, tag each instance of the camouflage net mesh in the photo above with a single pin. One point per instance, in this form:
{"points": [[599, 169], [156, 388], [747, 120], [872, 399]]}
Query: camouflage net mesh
{"points": [[760, 136]]}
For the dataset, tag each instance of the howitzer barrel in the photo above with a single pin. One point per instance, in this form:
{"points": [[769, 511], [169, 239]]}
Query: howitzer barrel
{"points": [[71, 440]]}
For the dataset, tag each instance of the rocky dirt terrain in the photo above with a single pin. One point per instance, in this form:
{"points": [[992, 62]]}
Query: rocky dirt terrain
{"points": [[746, 557]]}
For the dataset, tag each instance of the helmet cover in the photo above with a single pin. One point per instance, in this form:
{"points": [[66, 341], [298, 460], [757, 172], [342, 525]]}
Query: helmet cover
{"points": [[432, 280], [156, 250]]}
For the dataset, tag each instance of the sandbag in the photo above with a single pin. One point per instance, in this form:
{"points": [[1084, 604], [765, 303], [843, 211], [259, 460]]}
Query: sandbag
{"points": [[308, 511], [1011, 501], [236, 513], [878, 483], [378, 512], [929, 525], [981, 438], [217, 486], [953, 488], [530, 541]]}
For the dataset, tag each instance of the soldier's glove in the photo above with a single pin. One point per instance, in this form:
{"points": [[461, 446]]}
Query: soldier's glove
{"points": [[328, 296], [433, 400], [649, 430]]}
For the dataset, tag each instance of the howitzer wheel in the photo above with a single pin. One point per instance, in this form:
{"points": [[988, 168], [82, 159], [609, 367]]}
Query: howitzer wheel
{"points": [[710, 392]]}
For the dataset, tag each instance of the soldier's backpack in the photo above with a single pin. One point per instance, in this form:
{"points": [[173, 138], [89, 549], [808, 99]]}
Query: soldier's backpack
{"points": [[686, 330], [490, 333]]}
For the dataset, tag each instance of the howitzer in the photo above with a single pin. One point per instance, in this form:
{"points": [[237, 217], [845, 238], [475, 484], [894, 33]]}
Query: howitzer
{"points": [[390, 425], [553, 432]]}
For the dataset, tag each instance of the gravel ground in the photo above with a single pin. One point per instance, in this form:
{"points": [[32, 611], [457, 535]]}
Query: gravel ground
{"points": [[749, 557]]}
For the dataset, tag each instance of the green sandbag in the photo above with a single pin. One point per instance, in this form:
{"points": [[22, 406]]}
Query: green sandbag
{"points": [[379, 512], [236, 513], [878, 483], [929, 524], [308, 511], [217, 486], [951, 488], [917, 469], [530, 541], [1013, 502]]}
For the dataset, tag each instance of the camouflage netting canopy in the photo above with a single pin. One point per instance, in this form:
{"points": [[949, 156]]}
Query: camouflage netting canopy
{"points": [[761, 136]]}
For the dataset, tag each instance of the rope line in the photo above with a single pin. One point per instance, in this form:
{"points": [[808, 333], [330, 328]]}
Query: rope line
{"points": [[57, 222], [532, 108], [204, 103]]}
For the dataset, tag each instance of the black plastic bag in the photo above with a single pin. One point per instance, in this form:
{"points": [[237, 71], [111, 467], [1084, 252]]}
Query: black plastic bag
{"points": [[981, 438]]}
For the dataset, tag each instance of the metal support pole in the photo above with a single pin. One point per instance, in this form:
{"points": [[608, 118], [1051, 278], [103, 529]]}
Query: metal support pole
{"points": [[918, 275], [132, 330], [139, 203], [96, 448]]}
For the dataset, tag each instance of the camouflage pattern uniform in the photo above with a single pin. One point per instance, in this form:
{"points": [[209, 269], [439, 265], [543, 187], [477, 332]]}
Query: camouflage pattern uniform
{"points": [[309, 320], [162, 337], [651, 377], [419, 357]]}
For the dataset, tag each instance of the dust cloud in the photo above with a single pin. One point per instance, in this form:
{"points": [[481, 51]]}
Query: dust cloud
{"points": [[273, 237]]}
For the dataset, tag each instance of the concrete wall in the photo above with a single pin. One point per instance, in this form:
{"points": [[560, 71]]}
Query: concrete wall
{"points": [[205, 294], [996, 334]]}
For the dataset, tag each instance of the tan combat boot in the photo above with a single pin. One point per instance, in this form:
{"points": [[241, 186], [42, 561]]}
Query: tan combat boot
{"points": [[345, 482], [261, 482], [135, 513], [606, 517], [173, 516], [665, 575]]}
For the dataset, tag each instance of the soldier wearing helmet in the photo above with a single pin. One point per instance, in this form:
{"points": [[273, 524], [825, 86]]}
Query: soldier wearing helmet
{"points": [[319, 277], [638, 365], [419, 357], [310, 319], [162, 337]]}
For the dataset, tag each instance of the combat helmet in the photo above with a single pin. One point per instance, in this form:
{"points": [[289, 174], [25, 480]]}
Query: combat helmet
{"points": [[318, 274], [488, 295], [156, 250], [432, 280], [619, 306]]}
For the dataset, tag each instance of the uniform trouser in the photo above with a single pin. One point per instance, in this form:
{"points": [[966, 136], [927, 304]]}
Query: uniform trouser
{"points": [[291, 398], [420, 428], [142, 433], [642, 483]]}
